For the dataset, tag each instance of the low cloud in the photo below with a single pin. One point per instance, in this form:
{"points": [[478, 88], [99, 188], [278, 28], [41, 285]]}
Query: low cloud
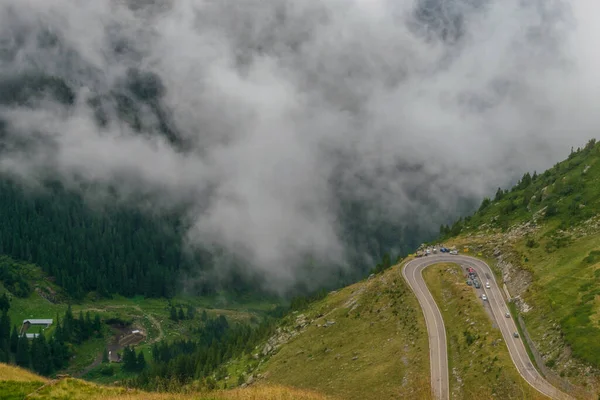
{"points": [[267, 118]]}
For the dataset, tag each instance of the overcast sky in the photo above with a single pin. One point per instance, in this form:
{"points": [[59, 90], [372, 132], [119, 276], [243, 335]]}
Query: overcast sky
{"points": [[285, 105]]}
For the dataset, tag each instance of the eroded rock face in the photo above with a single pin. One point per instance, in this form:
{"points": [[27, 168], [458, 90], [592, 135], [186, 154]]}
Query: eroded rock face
{"points": [[285, 334], [517, 279]]}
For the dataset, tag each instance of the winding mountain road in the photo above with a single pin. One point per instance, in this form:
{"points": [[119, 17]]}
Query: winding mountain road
{"points": [[438, 355]]}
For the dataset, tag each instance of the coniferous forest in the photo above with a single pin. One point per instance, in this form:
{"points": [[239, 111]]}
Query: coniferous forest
{"points": [[121, 250], [112, 248], [198, 358], [108, 251]]}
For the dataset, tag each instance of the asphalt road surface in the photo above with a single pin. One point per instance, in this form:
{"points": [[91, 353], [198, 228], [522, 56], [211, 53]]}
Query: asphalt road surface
{"points": [[438, 355]]}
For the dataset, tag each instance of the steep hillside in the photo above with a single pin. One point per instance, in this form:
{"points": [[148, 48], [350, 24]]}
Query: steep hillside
{"points": [[18, 384], [544, 235], [366, 341], [480, 364]]}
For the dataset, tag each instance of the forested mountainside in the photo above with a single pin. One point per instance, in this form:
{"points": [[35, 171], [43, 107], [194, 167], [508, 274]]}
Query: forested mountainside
{"points": [[117, 249], [121, 249], [108, 251]]}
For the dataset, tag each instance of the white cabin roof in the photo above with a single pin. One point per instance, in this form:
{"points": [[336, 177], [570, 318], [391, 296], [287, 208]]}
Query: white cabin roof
{"points": [[38, 321]]}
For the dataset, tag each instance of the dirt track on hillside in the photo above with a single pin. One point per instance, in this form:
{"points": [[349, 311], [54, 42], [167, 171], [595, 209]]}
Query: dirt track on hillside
{"points": [[117, 344]]}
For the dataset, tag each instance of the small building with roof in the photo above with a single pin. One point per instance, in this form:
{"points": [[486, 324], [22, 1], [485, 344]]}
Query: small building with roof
{"points": [[28, 323]]}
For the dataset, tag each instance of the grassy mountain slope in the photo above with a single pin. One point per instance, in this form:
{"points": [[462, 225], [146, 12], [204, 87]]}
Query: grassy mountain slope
{"points": [[480, 365], [18, 384], [366, 341], [544, 234]]}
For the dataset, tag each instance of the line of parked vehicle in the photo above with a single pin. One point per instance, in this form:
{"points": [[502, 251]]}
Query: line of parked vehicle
{"points": [[446, 250], [434, 250], [472, 280]]}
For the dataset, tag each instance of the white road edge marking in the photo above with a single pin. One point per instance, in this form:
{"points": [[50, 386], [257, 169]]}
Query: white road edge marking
{"points": [[421, 264]]}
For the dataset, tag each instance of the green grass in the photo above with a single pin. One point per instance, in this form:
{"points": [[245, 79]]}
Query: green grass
{"points": [[567, 286], [376, 349], [85, 354], [479, 362], [13, 390], [514, 314], [19, 384], [149, 314], [75, 389], [100, 374]]}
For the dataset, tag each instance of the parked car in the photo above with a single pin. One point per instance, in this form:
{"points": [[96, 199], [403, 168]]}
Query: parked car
{"points": [[483, 297]]}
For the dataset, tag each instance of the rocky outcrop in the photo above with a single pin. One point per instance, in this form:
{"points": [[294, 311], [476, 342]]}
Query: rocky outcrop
{"points": [[285, 334]]}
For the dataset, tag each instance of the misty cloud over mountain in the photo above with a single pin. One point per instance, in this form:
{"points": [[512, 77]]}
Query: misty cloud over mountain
{"points": [[295, 130]]}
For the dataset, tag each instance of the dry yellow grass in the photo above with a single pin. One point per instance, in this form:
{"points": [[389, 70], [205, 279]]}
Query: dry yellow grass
{"points": [[272, 393], [251, 393], [12, 373], [75, 389]]}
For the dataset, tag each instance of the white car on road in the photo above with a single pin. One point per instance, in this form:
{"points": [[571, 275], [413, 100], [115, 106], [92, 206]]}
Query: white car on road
{"points": [[483, 297], [487, 285]]}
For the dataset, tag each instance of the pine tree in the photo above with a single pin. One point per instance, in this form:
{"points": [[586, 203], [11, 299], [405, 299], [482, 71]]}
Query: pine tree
{"points": [[105, 356], [22, 356], [40, 355], [499, 195], [58, 353], [191, 312], [181, 315], [59, 331], [173, 315], [5, 337], [89, 325], [155, 352], [97, 324], [14, 339], [81, 330], [204, 316], [129, 359], [4, 327], [68, 325], [141, 361], [525, 181], [4, 302]]}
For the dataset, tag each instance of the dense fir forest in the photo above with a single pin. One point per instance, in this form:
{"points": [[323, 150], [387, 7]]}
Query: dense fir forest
{"points": [[199, 358], [124, 251], [110, 251]]}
